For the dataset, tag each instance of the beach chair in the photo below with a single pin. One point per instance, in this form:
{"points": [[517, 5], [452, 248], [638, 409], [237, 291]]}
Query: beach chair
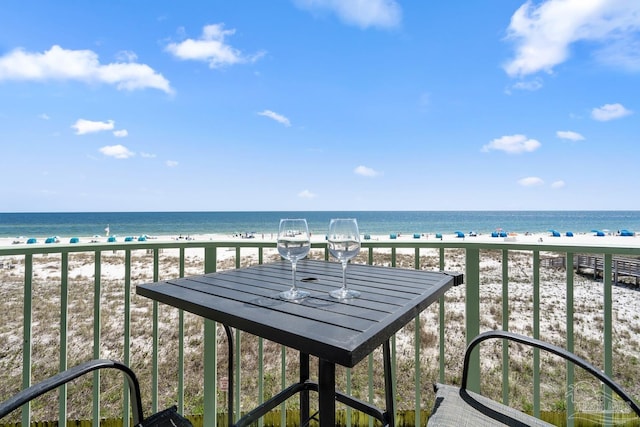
{"points": [[168, 417], [459, 406]]}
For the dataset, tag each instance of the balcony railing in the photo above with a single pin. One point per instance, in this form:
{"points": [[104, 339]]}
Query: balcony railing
{"points": [[66, 303]]}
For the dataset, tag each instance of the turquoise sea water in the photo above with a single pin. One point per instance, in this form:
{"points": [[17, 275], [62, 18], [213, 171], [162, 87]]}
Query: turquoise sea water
{"points": [[372, 222]]}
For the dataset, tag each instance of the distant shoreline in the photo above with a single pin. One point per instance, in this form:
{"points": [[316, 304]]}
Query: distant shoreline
{"points": [[379, 223], [588, 239]]}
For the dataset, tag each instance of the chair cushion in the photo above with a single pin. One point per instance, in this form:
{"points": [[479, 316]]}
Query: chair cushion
{"points": [[456, 407], [169, 418]]}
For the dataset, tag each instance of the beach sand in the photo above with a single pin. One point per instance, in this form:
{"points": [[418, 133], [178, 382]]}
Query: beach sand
{"points": [[588, 302]]}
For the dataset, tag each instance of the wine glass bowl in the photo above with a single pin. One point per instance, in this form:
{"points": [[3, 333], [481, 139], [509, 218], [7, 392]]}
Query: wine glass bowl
{"points": [[343, 242], [294, 243]]}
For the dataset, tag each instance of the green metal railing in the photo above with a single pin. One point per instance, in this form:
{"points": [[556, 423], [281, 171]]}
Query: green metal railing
{"points": [[473, 254]]}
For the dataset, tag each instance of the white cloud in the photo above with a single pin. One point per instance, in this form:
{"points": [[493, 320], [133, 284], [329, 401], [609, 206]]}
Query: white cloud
{"points": [[558, 184], [530, 181], [365, 171], [361, 13], [275, 116], [83, 126], [82, 65], [512, 144], [570, 135], [126, 56], [306, 194], [171, 163], [147, 155], [44, 116], [211, 48], [530, 85], [121, 133], [117, 151], [609, 112], [544, 31]]}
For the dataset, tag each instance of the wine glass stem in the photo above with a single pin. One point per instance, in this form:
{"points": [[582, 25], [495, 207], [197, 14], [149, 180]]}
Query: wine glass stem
{"points": [[344, 275], [293, 276]]}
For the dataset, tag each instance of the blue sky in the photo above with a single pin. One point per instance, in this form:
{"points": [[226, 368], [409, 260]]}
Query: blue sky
{"points": [[319, 105]]}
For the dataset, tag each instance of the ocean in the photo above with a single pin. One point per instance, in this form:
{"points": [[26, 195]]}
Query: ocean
{"points": [[370, 222]]}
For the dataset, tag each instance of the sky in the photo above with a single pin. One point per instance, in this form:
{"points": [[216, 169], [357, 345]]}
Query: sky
{"points": [[253, 105]]}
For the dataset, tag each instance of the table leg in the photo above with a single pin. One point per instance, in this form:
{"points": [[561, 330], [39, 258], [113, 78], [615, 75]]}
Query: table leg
{"points": [[304, 395], [327, 393], [230, 374], [388, 384]]}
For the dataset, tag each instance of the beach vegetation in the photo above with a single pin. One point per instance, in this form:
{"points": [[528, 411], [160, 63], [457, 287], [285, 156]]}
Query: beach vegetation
{"points": [[588, 328]]}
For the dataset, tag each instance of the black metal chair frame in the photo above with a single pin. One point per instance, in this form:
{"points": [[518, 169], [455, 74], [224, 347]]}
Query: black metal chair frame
{"points": [[558, 351], [70, 374]]}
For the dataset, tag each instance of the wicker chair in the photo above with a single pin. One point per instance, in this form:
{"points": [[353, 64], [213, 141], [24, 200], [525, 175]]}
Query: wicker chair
{"points": [[456, 406], [168, 417]]}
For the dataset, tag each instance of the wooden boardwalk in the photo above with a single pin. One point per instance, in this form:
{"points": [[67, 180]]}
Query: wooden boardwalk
{"points": [[591, 264], [622, 267]]}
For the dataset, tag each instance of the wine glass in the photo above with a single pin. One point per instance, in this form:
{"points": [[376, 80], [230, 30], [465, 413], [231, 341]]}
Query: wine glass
{"points": [[293, 244], [344, 244]]}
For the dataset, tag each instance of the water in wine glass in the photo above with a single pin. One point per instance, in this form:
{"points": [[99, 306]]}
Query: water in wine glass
{"points": [[343, 250], [294, 243], [343, 242]]}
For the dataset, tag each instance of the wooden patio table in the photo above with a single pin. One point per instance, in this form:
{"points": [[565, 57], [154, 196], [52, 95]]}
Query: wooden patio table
{"points": [[335, 331]]}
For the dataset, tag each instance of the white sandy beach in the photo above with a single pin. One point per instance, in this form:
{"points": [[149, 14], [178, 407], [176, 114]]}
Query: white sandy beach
{"points": [[588, 294], [583, 239]]}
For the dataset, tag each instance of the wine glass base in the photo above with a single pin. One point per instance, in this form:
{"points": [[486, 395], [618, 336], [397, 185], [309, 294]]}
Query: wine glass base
{"points": [[344, 293], [294, 295]]}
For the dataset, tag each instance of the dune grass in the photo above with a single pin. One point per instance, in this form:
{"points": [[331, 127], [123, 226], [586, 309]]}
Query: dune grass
{"points": [[588, 326]]}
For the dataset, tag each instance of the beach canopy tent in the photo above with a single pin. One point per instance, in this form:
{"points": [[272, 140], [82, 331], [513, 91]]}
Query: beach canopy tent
{"points": [[50, 240], [128, 239], [142, 239], [439, 236], [627, 233], [111, 239], [459, 234], [74, 240], [569, 234], [598, 233], [31, 241], [554, 233], [392, 236], [495, 234], [416, 235]]}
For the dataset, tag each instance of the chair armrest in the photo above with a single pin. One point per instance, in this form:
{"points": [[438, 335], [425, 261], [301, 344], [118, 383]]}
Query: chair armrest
{"points": [[558, 351], [57, 380]]}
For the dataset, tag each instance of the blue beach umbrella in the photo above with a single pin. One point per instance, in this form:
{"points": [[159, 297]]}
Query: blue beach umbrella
{"points": [[459, 234], [569, 234], [74, 240], [598, 233], [627, 233], [142, 239], [554, 233], [128, 239], [31, 241], [111, 239]]}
